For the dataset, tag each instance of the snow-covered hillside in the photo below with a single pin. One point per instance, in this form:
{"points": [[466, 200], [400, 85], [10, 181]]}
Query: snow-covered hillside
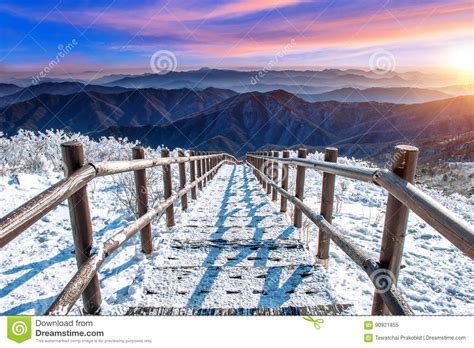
{"points": [[435, 277]]}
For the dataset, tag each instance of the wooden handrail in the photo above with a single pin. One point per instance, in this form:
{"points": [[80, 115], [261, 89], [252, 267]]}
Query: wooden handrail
{"points": [[391, 295], [454, 229], [17, 221], [457, 231], [348, 171], [74, 288], [403, 196], [117, 167], [73, 188]]}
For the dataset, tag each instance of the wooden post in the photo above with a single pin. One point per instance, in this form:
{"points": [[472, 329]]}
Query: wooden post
{"points": [[275, 176], [269, 169], [73, 158], [327, 204], [199, 170], [182, 181], [141, 190], [264, 171], [212, 166], [167, 189], [253, 162], [396, 218], [209, 167], [204, 169], [299, 189], [284, 183], [259, 167], [192, 174]]}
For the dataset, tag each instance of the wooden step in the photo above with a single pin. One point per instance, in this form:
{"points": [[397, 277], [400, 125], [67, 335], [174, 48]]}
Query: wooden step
{"points": [[320, 310], [235, 287], [235, 221], [240, 210], [211, 233], [235, 253]]}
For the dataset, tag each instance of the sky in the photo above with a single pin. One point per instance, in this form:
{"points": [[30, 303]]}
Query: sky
{"points": [[126, 36]]}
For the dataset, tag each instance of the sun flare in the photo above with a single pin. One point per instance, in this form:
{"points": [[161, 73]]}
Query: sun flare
{"points": [[462, 58]]}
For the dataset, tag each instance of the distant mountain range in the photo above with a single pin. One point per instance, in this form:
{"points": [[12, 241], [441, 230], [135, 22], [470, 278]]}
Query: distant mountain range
{"points": [[248, 122], [396, 95], [220, 119], [8, 88], [346, 86], [247, 81], [91, 111], [363, 113]]}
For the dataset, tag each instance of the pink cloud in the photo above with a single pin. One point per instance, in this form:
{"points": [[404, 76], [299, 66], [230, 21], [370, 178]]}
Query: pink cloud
{"points": [[195, 33]]}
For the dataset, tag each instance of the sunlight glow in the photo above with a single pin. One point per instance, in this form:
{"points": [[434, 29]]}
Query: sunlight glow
{"points": [[462, 58]]}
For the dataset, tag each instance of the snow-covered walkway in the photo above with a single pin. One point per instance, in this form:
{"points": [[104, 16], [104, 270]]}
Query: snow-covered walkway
{"points": [[232, 253]]}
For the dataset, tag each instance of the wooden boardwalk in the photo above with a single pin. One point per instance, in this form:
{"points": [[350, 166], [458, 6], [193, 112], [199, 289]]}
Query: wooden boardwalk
{"points": [[233, 253]]}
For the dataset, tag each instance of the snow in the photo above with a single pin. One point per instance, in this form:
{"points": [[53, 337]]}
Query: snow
{"points": [[436, 277]]}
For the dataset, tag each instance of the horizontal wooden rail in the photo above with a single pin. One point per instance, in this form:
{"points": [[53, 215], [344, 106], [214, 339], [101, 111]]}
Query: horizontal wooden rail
{"points": [[117, 167], [389, 292], [17, 221], [71, 293], [454, 229], [348, 171], [457, 231]]}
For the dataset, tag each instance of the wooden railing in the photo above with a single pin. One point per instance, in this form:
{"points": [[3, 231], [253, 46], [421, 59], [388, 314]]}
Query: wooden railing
{"points": [[403, 196], [202, 168]]}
